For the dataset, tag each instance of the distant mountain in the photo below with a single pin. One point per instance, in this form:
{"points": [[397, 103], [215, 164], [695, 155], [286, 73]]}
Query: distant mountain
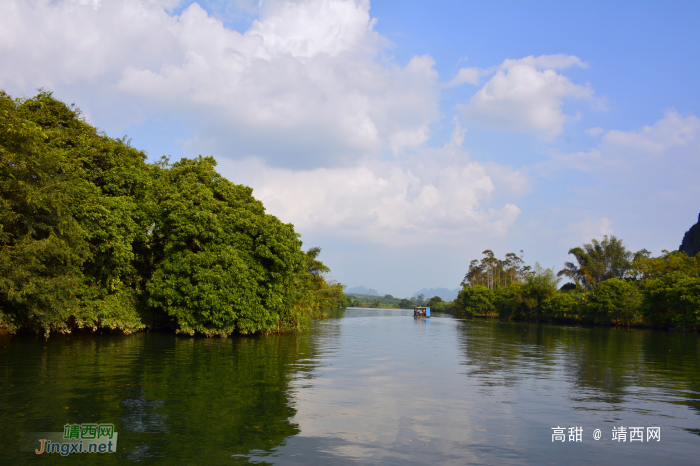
{"points": [[444, 293], [691, 240], [362, 290]]}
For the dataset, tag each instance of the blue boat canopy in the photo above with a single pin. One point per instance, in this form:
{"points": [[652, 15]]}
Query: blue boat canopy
{"points": [[421, 312]]}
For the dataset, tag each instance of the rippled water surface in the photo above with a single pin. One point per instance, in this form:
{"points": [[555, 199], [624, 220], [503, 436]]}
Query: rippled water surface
{"points": [[364, 387]]}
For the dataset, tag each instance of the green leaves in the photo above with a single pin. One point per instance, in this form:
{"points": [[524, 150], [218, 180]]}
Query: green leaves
{"points": [[560, 307], [673, 300], [222, 264], [613, 301], [92, 236], [42, 245], [475, 300], [600, 261]]}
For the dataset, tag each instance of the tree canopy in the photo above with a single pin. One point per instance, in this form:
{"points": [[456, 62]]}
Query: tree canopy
{"points": [[599, 261], [93, 236], [612, 286]]}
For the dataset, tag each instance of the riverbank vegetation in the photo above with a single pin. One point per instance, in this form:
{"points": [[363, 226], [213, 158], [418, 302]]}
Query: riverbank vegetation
{"points": [[390, 302], [609, 285], [93, 236]]}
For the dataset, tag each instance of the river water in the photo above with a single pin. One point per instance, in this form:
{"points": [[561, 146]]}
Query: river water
{"points": [[366, 386]]}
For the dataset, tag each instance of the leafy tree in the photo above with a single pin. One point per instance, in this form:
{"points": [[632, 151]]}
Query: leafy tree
{"points": [[560, 306], [473, 300], [674, 261], [507, 300], [69, 220], [673, 300], [315, 267], [669, 288], [442, 306], [492, 272], [376, 303], [92, 236], [614, 301], [405, 304], [433, 301], [224, 265], [327, 294], [539, 285], [600, 261]]}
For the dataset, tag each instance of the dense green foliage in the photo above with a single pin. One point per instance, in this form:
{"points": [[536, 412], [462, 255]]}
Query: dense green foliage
{"points": [[92, 236], [613, 301], [475, 300], [673, 300], [560, 307], [492, 272], [375, 301], [600, 261], [612, 286]]}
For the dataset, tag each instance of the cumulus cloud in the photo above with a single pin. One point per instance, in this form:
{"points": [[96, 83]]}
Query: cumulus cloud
{"points": [[468, 75], [673, 131], [527, 95], [298, 106], [595, 132], [591, 228], [673, 141], [386, 202], [300, 88], [545, 62], [457, 136]]}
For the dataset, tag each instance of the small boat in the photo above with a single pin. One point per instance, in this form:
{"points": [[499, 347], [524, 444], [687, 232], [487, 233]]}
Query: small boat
{"points": [[421, 312]]}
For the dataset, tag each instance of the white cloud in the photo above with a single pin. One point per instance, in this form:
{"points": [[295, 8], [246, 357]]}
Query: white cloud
{"points": [[654, 150], [312, 28], [408, 138], [385, 202], [300, 88], [673, 131], [457, 136], [595, 132], [509, 180], [583, 160], [591, 228], [468, 75], [520, 97], [545, 62], [53, 43]]}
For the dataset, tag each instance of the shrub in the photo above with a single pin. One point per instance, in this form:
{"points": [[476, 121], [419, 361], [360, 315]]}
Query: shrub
{"points": [[507, 301], [475, 300], [442, 306], [560, 306], [673, 300], [613, 301]]}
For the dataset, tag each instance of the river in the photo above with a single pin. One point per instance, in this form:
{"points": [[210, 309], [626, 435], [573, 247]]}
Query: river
{"points": [[365, 386]]}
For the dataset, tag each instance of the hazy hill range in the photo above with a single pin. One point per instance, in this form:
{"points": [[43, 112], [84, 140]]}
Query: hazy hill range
{"points": [[691, 240], [444, 293], [362, 290]]}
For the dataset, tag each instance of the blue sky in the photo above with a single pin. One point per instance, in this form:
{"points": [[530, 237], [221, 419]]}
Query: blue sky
{"points": [[403, 138]]}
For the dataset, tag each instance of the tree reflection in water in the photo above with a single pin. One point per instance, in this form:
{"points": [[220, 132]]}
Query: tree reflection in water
{"points": [[601, 364], [202, 401]]}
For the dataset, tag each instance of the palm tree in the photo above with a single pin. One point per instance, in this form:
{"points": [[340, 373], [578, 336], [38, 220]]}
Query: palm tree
{"points": [[599, 261]]}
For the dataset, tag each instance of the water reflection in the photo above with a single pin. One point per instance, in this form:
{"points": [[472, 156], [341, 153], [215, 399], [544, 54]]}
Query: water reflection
{"points": [[591, 376], [194, 399], [601, 364], [370, 386]]}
